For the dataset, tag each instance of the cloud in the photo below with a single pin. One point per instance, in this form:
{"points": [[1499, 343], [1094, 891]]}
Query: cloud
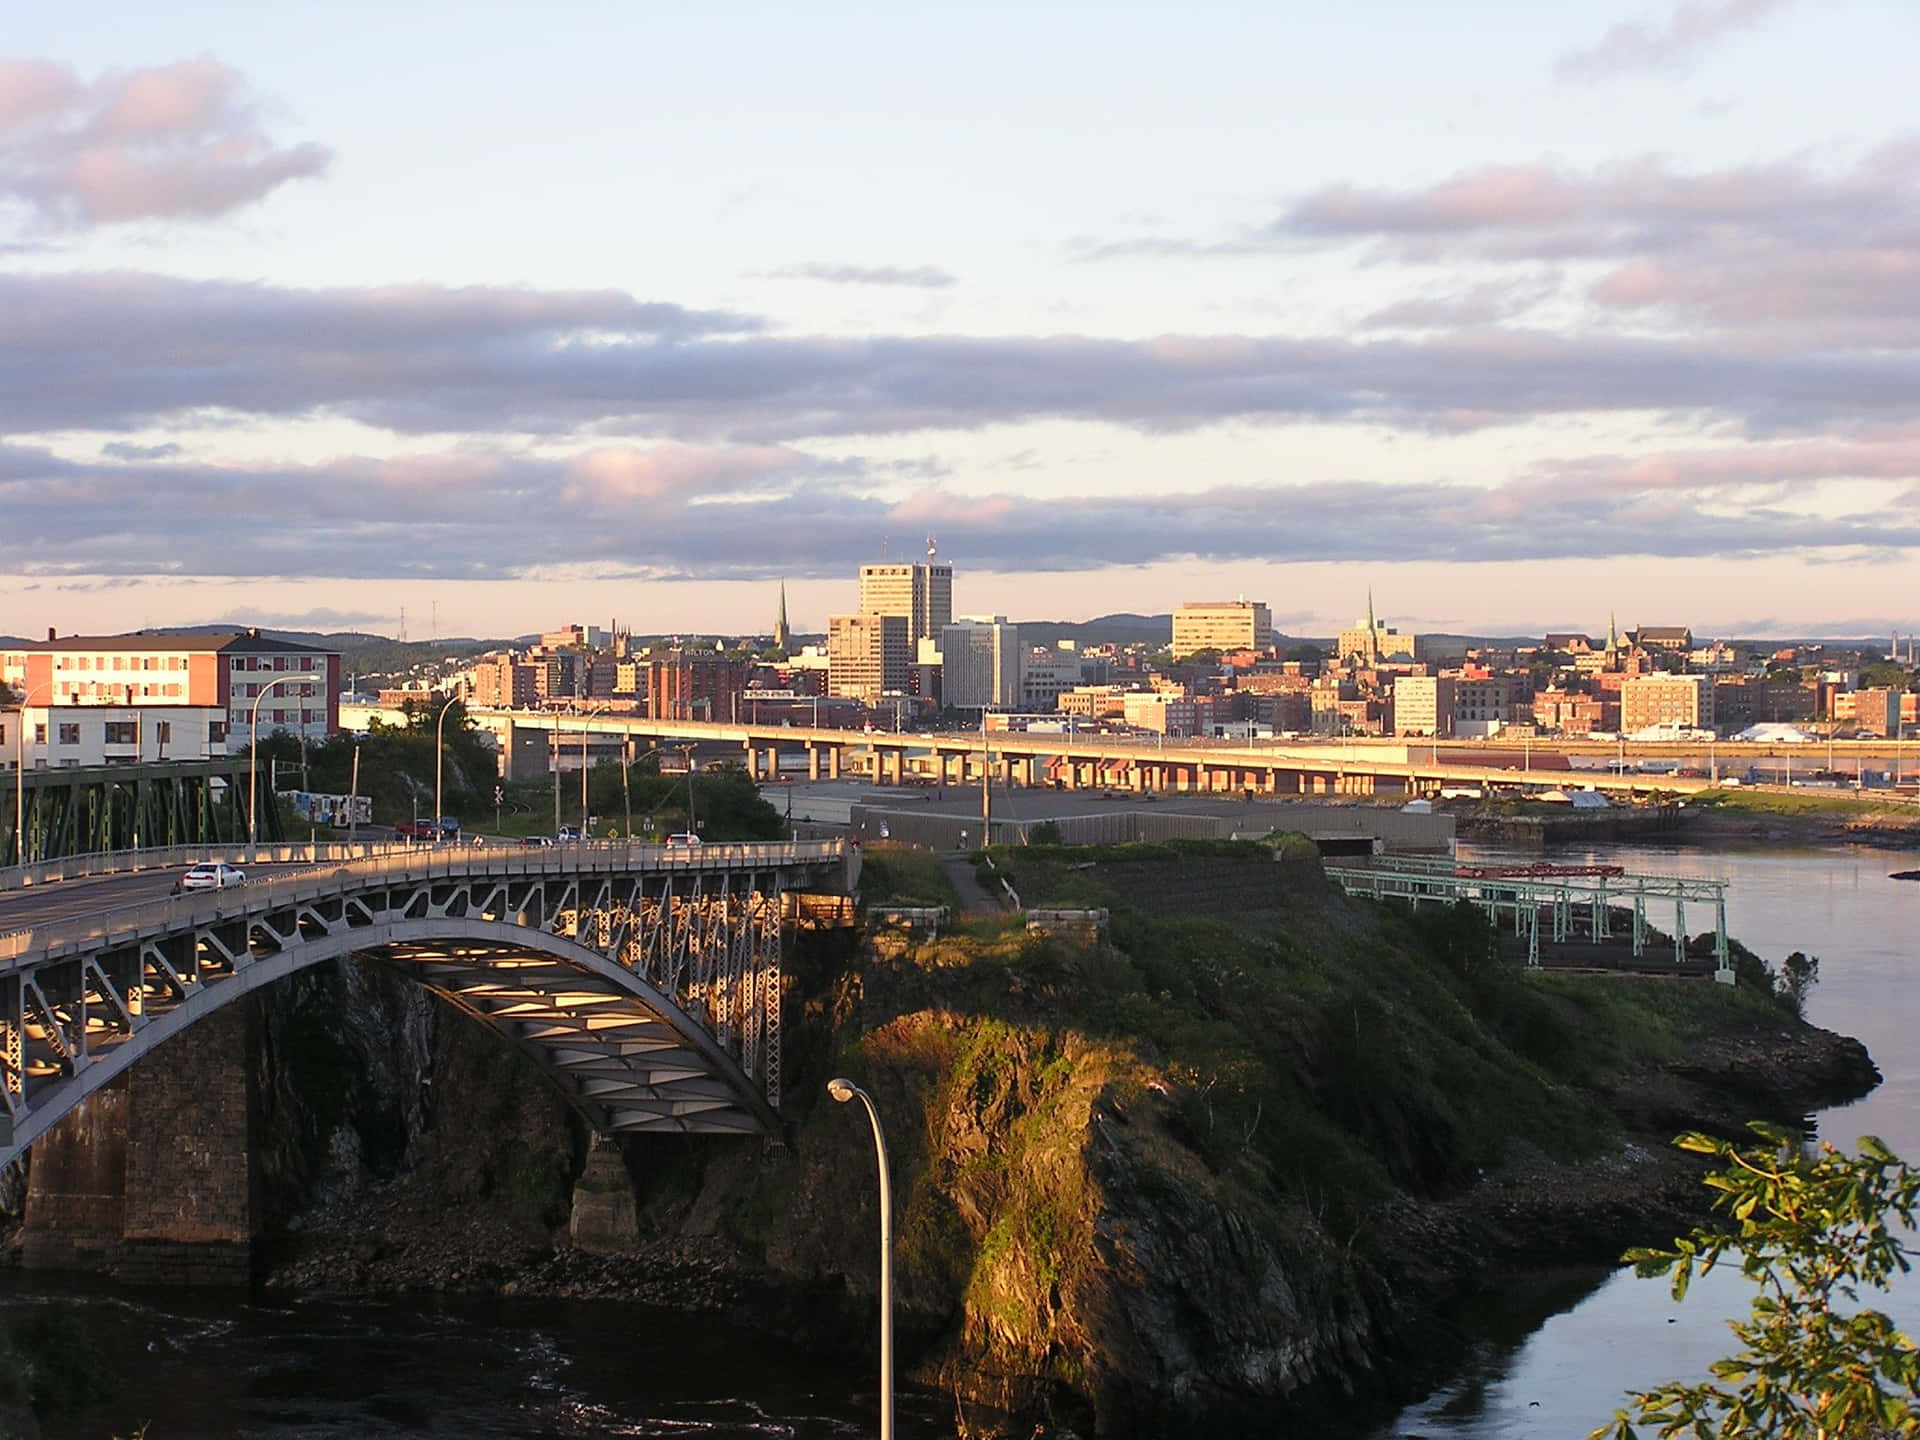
{"points": [[102, 352], [325, 619], [1477, 305], [923, 277], [121, 450], [171, 142], [1694, 26], [760, 512], [1801, 255]]}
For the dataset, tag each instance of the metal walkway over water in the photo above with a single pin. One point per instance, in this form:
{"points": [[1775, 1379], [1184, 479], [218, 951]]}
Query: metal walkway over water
{"points": [[1566, 904], [645, 982]]}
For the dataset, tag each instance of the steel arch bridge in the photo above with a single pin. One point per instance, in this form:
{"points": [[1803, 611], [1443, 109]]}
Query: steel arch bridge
{"points": [[646, 983]]}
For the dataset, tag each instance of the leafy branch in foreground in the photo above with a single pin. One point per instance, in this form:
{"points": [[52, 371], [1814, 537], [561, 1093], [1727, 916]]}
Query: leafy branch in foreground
{"points": [[1810, 1231]]}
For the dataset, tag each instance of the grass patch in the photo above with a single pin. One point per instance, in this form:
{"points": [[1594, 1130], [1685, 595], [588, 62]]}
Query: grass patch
{"points": [[901, 875], [1763, 802]]}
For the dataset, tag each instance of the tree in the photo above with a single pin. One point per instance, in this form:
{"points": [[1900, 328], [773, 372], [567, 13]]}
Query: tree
{"points": [[1885, 675], [1810, 1231]]}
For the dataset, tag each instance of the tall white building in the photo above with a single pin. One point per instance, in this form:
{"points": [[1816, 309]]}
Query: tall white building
{"points": [[981, 664], [921, 594]]}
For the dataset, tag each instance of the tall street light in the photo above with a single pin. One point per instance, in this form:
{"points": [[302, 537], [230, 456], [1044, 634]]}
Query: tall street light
{"points": [[253, 756], [439, 764], [844, 1090], [20, 771]]}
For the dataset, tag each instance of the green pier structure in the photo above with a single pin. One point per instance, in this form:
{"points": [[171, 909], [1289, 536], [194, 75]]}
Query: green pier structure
{"points": [[91, 810]]}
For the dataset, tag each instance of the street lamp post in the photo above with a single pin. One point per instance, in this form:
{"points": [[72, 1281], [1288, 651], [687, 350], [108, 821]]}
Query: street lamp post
{"points": [[439, 764], [253, 758], [353, 799], [844, 1090], [20, 772]]}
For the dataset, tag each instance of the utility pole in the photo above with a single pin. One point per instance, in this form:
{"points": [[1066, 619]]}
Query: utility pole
{"points": [[986, 783]]}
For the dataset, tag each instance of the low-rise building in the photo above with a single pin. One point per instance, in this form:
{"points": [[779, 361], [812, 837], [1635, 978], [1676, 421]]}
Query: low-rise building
{"points": [[1877, 712], [1681, 701], [1223, 626], [868, 656], [695, 685], [226, 677], [1424, 705]]}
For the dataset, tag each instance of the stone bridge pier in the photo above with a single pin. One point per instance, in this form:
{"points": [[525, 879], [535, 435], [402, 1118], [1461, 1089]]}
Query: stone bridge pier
{"points": [[153, 1179]]}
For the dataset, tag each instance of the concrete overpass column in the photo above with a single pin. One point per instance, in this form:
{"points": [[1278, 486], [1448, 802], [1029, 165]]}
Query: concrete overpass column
{"points": [[813, 762], [891, 766], [833, 762], [773, 762], [1137, 778]]}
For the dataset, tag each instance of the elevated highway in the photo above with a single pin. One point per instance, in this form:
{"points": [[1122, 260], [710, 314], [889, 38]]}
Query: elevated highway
{"points": [[530, 740], [645, 982]]}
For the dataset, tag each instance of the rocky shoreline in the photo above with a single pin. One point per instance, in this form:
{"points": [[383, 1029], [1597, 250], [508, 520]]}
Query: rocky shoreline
{"points": [[1531, 1213], [1886, 832]]}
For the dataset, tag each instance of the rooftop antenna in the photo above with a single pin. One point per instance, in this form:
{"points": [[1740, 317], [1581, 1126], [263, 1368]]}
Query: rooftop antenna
{"points": [[932, 549]]}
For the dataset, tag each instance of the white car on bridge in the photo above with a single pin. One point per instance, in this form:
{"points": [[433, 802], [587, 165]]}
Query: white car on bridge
{"points": [[216, 876]]}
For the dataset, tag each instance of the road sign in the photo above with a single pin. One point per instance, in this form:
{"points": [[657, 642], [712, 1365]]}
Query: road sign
{"points": [[498, 795]]}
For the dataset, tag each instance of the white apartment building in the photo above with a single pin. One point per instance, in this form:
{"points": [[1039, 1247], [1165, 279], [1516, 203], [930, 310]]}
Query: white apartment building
{"points": [[982, 665]]}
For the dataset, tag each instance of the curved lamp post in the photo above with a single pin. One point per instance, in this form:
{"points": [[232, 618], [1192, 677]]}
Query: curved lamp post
{"points": [[20, 771], [439, 764], [844, 1090], [304, 677]]}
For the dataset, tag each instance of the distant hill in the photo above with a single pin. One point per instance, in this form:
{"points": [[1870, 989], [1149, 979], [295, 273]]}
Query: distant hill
{"points": [[1121, 629]]}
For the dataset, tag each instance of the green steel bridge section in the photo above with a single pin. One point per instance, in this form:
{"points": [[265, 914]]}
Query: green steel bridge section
{"points": [[1563, 903], [129, 807]]}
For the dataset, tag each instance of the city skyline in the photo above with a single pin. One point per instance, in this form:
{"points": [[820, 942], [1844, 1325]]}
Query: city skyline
{"points": [[1511, 315]]}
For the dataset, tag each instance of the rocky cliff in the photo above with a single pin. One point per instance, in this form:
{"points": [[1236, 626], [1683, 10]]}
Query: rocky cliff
{"points": [[1212, 1166]]}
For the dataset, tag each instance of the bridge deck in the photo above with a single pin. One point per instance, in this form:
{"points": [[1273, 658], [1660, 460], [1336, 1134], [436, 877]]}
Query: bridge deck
{"points": [[645, 981]]}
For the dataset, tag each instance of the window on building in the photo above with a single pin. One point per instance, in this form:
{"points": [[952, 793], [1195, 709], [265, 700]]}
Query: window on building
{"points": [[123, 732], [163, 730], [217, 731], [40, 734], [70, 733]]}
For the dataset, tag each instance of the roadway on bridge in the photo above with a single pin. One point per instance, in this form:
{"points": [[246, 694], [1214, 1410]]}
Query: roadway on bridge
{"points": [[73, 899]]}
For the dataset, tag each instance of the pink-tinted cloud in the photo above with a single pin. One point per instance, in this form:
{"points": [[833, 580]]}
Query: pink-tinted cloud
{"points": [[173, 142], [1693, 27]]}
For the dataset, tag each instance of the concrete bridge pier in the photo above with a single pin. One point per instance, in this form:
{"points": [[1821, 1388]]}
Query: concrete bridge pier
{"points": [[152, 1180], [605, 1218]]}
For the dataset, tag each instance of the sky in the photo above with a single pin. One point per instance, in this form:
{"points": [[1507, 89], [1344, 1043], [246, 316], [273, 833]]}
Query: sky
{"points": [[498, 317]]}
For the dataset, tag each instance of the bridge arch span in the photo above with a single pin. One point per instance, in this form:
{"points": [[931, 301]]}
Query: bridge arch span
{"points": [[650, 996]]}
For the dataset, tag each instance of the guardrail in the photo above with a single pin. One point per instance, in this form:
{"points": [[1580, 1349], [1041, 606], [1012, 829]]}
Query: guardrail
{"points": [[403, 864], [171, 857]]}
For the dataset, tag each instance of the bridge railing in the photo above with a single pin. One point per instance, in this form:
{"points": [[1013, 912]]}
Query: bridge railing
{"points": [[406, 864], [170, 857]]}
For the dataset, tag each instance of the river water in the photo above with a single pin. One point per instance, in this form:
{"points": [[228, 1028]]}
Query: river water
{"points": [[1551, 1359], [1556, 1358]]}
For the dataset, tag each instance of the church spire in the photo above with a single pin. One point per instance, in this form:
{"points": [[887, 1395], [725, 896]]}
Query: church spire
{"points": [[782, 637]]}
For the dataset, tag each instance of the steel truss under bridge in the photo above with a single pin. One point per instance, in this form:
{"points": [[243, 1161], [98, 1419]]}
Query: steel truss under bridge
{"points": [[645, 983], [1567, 903], [126, 807]]}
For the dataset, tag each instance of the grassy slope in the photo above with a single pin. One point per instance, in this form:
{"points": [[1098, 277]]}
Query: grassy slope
{"points": [[1839, 807], [1193, 1120]]}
